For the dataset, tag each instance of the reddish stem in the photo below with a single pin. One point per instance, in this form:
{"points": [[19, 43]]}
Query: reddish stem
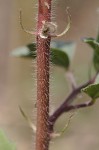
{"points": [[43, 54]]}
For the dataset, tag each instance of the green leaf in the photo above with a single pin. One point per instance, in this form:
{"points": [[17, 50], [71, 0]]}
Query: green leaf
{"points": [[97, 39], [96, 61], [97, 79], [59, 58], [5, 144], [67, 47], [95, 46], [90, 42], [92, 90]]}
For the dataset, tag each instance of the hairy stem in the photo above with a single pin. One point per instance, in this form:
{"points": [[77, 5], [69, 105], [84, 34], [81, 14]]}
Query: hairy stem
{"points": [[43, 54]]}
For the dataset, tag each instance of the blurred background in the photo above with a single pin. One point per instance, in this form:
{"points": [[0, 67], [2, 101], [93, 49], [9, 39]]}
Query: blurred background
{"points": [[17, 79]]}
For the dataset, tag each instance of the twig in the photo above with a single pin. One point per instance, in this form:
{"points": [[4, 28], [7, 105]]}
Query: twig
{"points": [[86, 104], [65, 106]]}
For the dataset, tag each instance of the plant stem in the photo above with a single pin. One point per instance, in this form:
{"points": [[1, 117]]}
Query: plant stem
{"points": [[43, 54], [66, 105]]}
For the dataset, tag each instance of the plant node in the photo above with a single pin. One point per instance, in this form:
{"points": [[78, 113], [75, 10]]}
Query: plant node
{"points": [[50, 28]]}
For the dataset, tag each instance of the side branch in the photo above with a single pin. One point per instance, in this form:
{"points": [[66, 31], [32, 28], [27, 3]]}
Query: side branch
{"points": [[65, 106], [86, 104]]}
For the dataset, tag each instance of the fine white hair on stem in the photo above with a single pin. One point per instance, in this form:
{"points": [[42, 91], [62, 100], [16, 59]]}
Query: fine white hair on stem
{"points": [[47, 5], [50, 28]]}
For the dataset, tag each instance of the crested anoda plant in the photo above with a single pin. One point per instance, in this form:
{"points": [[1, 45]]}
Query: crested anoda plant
{"points": [[46, 30]]}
